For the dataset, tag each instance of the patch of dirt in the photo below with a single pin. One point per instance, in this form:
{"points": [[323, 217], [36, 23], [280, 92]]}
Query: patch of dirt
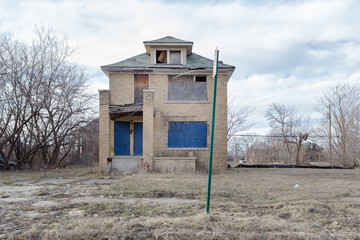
{"points": [[357, 199], [46, 204], [56, 181], [99, 181], [133, 200], [26, 189], [11, 200]]}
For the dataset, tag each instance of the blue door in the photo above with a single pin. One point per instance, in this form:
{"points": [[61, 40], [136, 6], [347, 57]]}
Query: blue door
{"points": [[122, 138], [138, 138]]}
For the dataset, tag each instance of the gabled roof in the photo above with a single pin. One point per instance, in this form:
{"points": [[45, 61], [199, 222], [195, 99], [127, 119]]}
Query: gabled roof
{"points": [[168, 39], [142, 61]]}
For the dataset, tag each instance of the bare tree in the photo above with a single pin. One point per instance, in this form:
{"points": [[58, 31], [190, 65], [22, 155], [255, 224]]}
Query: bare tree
{"points": [[291, 126], [44, 99], [246, 144], [238, 117], [343, 101], [18, 93]]}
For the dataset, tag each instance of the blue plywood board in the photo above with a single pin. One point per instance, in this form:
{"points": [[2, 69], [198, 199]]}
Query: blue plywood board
{"points": [[138, 138], [122, 138], [187, 134]]}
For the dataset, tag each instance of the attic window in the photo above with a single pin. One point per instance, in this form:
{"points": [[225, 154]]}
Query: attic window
{"points": [[161, 56], [175, 57], [200, 78]]}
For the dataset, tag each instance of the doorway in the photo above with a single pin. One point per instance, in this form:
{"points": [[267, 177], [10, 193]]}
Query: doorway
{"points": [[124, 132]]}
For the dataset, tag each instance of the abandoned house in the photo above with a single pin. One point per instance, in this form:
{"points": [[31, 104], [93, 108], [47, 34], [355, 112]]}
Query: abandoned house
{"points": [[156, 116], [313, 153]]}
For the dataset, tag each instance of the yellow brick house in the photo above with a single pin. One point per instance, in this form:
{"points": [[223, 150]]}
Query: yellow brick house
{"points": [[156, 115]]}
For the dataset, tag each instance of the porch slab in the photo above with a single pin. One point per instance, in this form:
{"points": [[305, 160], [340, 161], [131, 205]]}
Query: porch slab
{"points": [[126, 164]]}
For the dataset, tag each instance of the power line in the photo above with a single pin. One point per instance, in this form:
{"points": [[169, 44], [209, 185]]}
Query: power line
{"points": [[280, 136]]}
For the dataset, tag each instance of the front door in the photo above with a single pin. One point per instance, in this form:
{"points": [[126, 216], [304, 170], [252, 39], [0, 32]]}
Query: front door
{"points": [[122, 138], [123, 132], [138, 138]]}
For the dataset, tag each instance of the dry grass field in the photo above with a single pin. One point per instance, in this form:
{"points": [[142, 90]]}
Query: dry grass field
{"points": [[245, 204]]}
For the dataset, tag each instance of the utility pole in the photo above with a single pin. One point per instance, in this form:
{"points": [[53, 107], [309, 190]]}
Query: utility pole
{"points": [[268, 151], [236, 153], [330, 145]]}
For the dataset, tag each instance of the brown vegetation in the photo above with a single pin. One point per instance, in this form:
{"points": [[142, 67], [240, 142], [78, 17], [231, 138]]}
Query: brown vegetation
{"points": [[245, 204]]}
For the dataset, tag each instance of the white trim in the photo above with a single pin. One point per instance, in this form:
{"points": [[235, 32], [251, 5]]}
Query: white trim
{"points": [[187, 149], [148, 90], [174, 158], [163, 71], [182, 102], [168, 44]]}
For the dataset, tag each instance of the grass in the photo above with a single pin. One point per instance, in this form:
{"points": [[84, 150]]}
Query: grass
{"points": [[11, 177], [245, 204], [130, 211], [42, 193]]}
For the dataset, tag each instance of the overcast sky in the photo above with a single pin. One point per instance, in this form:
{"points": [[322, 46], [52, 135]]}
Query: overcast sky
{"points": [[283, 51]]}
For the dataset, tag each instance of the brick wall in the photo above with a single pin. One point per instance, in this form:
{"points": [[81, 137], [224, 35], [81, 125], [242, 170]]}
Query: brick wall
{"points": [[122, 89]]}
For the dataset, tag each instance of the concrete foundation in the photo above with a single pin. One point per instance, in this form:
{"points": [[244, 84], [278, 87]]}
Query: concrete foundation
{"points": [[126, 164], [174, 164]]}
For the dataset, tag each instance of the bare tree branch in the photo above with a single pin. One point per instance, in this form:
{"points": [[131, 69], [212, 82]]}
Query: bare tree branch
{"points": [[344, 102], [293, 128], [238, 117], [43, 99]]}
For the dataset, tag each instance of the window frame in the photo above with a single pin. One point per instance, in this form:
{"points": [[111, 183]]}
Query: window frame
{"points": [[199, 76], [167, 56], [169, 59]]}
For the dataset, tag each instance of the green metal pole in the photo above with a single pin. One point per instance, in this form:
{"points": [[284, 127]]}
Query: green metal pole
{"points": [[212, 137]]}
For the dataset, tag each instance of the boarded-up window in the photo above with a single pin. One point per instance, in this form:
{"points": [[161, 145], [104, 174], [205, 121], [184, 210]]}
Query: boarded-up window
{"points": [[185, 88], [141, 82], [175, 57], [187, 135]]}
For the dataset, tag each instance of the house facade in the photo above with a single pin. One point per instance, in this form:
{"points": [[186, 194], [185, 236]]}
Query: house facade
{"points": [[156, 116]]}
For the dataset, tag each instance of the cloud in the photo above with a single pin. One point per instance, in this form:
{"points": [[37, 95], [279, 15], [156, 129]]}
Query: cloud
{"points": [[284, 51]]}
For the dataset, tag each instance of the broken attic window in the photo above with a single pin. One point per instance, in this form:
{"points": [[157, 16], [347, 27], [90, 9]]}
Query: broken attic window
{"points": [[161, 56], [184, 88], [200, 78], [175, 57]]}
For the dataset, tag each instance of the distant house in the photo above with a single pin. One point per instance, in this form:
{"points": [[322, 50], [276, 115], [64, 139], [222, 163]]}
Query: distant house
{"points": [[156, 115], [313, 153]]}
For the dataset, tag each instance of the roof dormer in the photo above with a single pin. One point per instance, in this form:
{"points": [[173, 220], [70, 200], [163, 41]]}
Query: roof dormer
{"points": [[168, 50]]}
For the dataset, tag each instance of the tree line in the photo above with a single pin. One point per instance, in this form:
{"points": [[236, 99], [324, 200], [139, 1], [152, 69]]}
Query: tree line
{"points": [[44, 100], [335, 138]]}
